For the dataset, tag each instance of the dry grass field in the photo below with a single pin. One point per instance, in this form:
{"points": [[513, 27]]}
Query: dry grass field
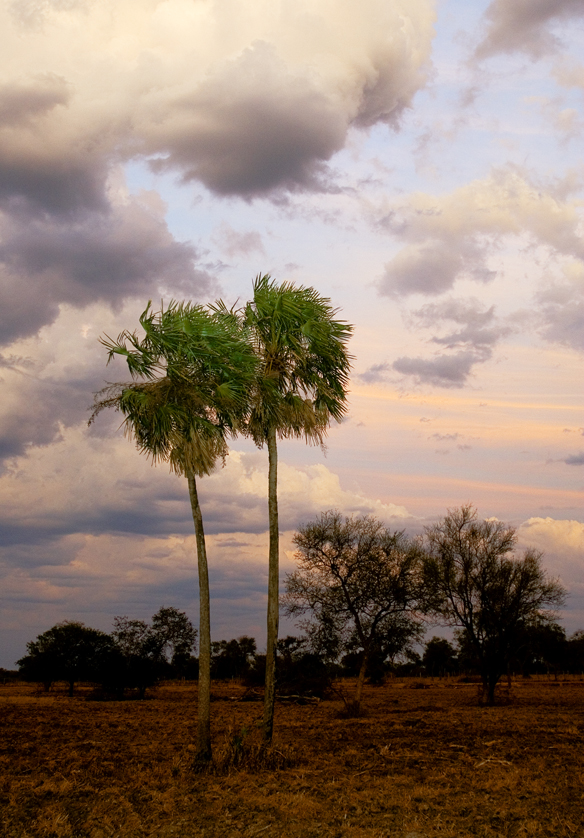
{"points": [[425, 761]]}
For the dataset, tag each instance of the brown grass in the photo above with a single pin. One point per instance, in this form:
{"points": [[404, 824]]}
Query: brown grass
{"points": [[422, 763]]}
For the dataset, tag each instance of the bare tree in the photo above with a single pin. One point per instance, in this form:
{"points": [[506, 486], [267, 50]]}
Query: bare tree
{"points": [[474, 580], [359, 583]]}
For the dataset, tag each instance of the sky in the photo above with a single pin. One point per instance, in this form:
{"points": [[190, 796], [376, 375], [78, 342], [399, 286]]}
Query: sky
{"points": [[419, 163]]}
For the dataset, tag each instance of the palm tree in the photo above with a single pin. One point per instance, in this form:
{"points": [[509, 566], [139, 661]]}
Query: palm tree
{"points": [[192, 372], [301, 384]]}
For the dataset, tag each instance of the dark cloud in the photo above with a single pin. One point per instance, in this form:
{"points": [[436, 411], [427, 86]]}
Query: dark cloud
{"points": [[432, 267], [38, 418], [575, 460], [471, 344], [39, 170], [442, 371], [61, 187], [99, 257], [19, 103], [480, 328], [252, 129], [377, 372], [523, 25]]}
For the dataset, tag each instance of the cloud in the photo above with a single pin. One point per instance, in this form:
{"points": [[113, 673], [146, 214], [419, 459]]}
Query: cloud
{"points": [[471, 344], [565, 120], [107, 257], [240, 137], [562, 542], [63, 488], [432, 266], [247, 101], [479, 325], [450, 237], [88, 529], [560, 307], [375, 373], [236, 243], [441, 371], [524, 26], [575, 459], [569, 73]]}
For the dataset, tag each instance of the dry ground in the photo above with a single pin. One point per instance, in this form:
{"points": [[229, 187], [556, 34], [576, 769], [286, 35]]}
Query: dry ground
{"points": [[423, 763]]}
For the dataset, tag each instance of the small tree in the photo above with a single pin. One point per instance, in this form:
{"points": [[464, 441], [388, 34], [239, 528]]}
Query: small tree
{"points": [[143, 654], [137, 661], [358, 582], [70, 651], [439, 657], [232, 658], [575, 652], [474, 580], [542, 647], [177, 637]]}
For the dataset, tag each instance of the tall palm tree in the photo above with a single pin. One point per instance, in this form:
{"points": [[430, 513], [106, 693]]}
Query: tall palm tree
{"points": [[301, 384], [192, 371]]}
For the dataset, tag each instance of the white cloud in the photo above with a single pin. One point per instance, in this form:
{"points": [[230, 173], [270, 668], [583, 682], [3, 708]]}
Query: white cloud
{"points": [[451, 236], [563, 540], [562, 543], [451, 239]]}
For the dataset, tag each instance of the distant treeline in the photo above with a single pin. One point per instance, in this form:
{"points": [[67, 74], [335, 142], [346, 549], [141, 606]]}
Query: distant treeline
{"points": [[136, 655]]}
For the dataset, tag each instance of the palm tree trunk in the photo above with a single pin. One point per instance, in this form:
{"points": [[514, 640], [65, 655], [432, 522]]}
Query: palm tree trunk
{"points": [[203, 754], [273, 588]]}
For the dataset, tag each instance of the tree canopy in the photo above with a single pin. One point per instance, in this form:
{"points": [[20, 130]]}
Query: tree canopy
{"points": [[359, 584], [473, 579]]}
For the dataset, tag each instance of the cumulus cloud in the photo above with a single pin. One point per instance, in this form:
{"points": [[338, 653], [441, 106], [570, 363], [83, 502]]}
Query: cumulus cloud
{"points": [[96, 577], [249, 102], [245, 100], [562, 542], [524, 25], [88, 527], [562, 545], [64, 488], [107, 257], [451, 236]]}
